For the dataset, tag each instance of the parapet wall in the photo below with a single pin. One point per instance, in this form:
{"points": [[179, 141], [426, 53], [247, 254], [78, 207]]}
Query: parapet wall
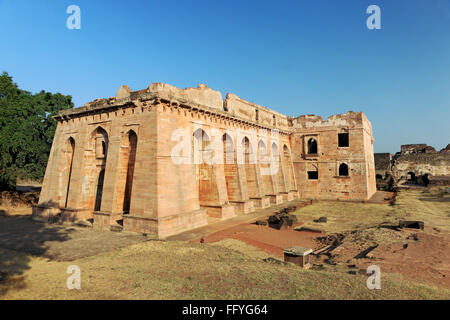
{"points": [[232, 105], [253, 112], [349, 119], [202, 95], [415, 163]]}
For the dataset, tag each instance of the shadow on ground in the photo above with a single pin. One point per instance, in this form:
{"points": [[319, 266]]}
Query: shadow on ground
{"points": [[20, 238], [435, 197]]}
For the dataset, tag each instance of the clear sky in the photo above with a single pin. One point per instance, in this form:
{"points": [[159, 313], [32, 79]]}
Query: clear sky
{"points": [[296, 57]]}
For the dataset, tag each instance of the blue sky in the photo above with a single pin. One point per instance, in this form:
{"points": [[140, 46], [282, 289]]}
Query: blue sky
{"points": [[296, 57]]}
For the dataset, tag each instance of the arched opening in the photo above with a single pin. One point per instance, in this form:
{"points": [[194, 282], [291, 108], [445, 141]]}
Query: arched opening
{"points": [[203, 168], [425, 179], [379, 177], [70, 151], [132, 146], [343, 170], [312, 146], [277, 170], [99, 192], [100, 143], [289, 168], [250, 172], [230, 170], [228, 149], [95, 157], [264, 165], [411, 177]]}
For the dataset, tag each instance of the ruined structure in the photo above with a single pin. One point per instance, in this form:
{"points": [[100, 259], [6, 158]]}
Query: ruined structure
{"points": [[415, 164], [164, 160]]}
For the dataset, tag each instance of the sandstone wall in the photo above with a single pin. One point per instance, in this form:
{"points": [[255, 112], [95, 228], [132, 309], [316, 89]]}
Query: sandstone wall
{"points": [[134, 157], [358, 156]]}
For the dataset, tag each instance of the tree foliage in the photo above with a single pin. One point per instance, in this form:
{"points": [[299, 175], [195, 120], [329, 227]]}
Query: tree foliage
{"points": [[26, 131]]}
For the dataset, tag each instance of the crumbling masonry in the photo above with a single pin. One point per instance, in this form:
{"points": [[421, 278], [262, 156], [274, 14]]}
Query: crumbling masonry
{"points": [[123, 160], [415, 164]]}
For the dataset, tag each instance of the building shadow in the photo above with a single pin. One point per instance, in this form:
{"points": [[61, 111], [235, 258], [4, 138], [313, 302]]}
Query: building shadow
{"points": [[435, 197], [21, 237]]}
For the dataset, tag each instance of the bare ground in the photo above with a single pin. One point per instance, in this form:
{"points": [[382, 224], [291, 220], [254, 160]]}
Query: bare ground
{"points": [[34, 257]]}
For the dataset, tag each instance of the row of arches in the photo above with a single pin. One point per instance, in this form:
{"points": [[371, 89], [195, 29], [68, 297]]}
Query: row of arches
{"points": [[259, 174], [94, 163], [94, 158], [202, 145]]}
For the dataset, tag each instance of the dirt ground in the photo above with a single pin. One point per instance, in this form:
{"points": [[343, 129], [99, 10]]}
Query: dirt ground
{"points": [[414, 263], [421, 255], [58, 242], [362, 228], [265, 238]]}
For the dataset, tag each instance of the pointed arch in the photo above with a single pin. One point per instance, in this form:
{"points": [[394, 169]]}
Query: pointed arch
{"points": [[262, 152], [100, 142], [247, 149], [132, 148], [289, 168], [201, 146], [228, 149], [99, 191], [70, 151], [250, 170]]}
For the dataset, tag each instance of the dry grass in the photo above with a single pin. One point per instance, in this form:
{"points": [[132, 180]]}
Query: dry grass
{"points": [[177, 270], [231, 269], [431, 206]]}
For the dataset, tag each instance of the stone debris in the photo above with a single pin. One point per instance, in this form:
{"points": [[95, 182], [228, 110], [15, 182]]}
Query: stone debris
{"points": [[282, 220], [411, 224], [321, 220]]}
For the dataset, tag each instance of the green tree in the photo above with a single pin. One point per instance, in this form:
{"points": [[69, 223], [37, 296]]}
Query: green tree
{"points": [[26, 131]]}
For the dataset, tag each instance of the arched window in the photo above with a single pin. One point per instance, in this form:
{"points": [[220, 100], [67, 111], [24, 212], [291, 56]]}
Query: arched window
{"points": [[343, 170], [312, 146]]}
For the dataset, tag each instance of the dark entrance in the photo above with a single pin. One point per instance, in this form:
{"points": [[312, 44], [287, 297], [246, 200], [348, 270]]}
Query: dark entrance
{"points": [[98, 197]]}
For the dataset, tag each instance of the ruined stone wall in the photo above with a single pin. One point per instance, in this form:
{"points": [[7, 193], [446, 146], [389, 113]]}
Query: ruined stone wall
{"points": [[415, 164], [437, 164], [382, 163], [163, 159], [358, 156]]}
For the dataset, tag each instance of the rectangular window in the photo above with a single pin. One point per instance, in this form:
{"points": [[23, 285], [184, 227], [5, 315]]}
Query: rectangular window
{"points": [[313, 175], [343, 139]]}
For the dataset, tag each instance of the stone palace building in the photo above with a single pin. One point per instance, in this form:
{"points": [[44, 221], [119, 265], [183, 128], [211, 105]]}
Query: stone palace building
{"points": [[164, 160]]}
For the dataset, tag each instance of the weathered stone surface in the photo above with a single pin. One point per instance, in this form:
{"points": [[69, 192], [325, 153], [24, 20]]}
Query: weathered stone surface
{"points": [[113, 160], [415, 164]]}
